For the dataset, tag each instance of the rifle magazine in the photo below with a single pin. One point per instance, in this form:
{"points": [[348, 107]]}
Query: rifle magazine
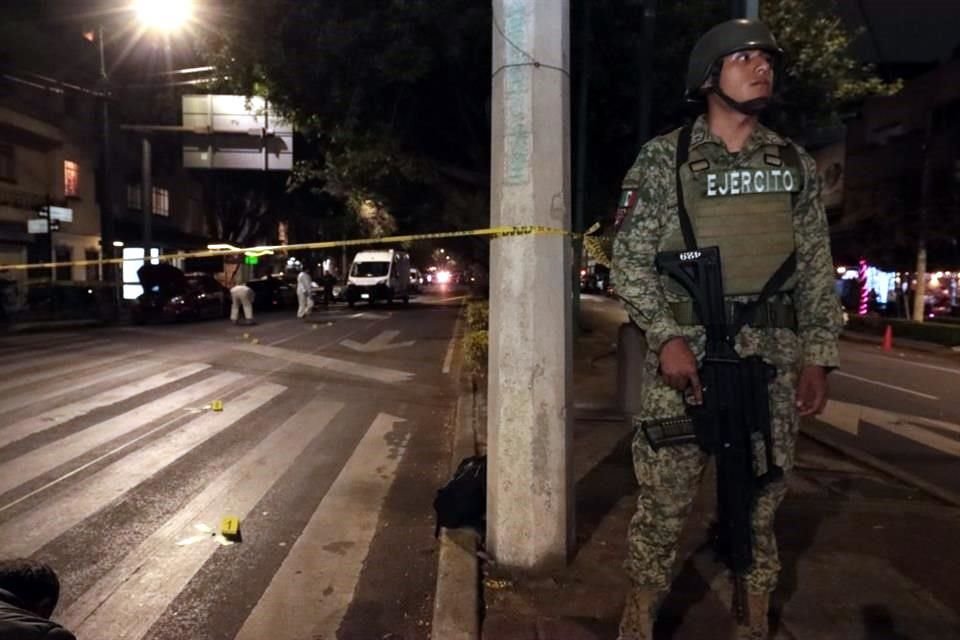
{"points": [[669, 432]]}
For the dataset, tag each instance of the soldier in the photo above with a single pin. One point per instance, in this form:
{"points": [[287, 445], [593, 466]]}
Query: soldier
{"points": [[755, 195]]}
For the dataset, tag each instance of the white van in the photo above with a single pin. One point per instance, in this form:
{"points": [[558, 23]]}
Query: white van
{"points": [[379, 275]]}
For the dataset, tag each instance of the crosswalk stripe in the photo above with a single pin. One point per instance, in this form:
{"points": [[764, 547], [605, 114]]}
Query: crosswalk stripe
{"points": [[37, 358], [57, 383], [15, 472], [25, 535], [65, 413], [381, 374], [311, 591], [128, 600]]}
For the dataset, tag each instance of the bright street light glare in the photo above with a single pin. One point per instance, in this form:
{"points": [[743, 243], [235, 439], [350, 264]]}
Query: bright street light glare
{"points": [[165, 15]]}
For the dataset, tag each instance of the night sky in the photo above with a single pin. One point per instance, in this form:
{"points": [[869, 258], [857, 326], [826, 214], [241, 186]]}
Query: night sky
{"points": [[904, 31]]}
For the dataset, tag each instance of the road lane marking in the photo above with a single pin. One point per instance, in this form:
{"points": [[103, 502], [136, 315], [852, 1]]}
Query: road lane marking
{"points": [[383, 341], [884, 384], [955, 371], [18, 471], [128, 600], [24, 535], [56, 384], [380, 374], [448, 357], [321, 572], [67, 412]]}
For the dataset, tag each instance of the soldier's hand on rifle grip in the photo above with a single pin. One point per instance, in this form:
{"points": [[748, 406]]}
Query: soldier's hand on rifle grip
{"points": [[678, 366], [811, 390]]}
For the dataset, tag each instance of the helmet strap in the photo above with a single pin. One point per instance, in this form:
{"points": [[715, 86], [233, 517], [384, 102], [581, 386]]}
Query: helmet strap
{"points": [[748, 107]]}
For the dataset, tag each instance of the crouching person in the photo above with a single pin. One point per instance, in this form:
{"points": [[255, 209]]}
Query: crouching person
{"points": [[241, 296], [29, 591]]}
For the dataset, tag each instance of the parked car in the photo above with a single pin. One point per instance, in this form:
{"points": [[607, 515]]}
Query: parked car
{"points": [[170, 295], [273, 293]]}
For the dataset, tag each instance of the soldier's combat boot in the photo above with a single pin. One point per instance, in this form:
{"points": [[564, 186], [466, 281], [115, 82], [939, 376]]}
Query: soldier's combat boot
{"points": [[755, 627], [638, 614]]}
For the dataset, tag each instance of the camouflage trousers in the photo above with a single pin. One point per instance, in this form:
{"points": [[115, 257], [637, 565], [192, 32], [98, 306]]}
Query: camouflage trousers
{"points": [[669, 480]]}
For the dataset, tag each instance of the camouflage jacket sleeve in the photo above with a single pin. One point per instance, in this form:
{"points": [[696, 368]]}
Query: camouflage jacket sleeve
{"points": [[638, 240], [819, 317]]}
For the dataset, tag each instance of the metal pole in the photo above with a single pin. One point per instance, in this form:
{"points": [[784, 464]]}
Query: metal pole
{"points": [[646, 70], [581, 162], [745, 9], [108, 274], [146, 195]]}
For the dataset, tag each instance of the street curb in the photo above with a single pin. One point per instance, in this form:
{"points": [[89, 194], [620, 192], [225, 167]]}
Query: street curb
{"points": [[456, 603], [899, 344], [877, 464]]}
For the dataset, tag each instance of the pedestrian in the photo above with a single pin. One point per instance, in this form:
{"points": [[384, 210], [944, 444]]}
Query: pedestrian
{"points": [[29, 591], [756, 195], [304, 292], [328, 281], [241, 295]]}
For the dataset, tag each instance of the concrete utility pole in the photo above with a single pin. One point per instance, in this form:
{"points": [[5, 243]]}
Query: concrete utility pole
{"points": [[529, 478]]}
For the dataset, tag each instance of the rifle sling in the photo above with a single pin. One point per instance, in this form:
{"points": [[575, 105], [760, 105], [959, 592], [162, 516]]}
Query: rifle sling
{"points": [[683, 154]]}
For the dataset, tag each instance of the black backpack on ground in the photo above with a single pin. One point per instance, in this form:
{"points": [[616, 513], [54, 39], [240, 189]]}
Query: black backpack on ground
{"points": [[462, 502]]}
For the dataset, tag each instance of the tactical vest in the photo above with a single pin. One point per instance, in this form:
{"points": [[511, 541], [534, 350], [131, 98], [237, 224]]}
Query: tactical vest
{"points": [[746, 210]]}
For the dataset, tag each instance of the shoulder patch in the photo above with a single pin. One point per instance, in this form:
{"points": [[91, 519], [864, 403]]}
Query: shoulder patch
{"points": [[628, 199], [772, 160]]}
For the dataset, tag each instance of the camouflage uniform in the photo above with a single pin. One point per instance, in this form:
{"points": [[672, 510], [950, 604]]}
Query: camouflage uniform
{"points": [[669, 478]]}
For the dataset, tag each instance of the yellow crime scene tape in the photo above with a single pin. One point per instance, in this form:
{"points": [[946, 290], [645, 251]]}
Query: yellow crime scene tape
{"points": [[497, 232]]}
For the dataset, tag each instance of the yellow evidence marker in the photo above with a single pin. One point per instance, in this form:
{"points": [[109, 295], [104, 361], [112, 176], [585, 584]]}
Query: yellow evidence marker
{"points": [[230, 528], [216, 405]]}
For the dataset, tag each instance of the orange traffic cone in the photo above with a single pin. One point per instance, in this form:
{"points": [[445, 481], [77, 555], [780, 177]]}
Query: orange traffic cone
{"points": [[888, 338]]}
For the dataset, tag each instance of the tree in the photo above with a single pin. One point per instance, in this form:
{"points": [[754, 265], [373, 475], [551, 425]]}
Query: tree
{"points": [[392, 95], [822, 80]]}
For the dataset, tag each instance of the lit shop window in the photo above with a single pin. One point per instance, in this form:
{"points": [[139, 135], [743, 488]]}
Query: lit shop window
{"points": [[161, 202], [71, 179]]}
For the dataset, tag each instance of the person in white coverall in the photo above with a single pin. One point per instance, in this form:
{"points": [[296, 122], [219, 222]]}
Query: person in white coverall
{"points": [[304, 293], [241, 294]]}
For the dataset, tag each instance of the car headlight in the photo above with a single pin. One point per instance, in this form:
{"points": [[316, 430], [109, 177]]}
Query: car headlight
{"points": [[178, 300]]}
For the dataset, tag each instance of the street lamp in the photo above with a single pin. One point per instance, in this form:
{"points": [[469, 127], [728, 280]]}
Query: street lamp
{"points": [[163, 15]]}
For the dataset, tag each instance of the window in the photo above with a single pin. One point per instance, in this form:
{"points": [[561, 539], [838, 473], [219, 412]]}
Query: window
{"points": [[63, 253], [71, 179], [133, 197], [161, 202], [93, 270], [7, 167]]}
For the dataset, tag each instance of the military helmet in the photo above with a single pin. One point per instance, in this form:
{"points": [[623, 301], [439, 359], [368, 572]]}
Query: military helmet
{"points": [[722, 40]]}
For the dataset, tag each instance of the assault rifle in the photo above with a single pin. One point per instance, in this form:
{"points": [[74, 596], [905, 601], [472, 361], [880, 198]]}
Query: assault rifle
{"points": [[734, 418]]}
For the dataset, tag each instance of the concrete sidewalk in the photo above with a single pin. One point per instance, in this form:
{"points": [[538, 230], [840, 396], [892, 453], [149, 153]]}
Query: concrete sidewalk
{"points": [[864, 555]]}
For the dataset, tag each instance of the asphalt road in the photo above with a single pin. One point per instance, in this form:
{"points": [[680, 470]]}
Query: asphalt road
{"points": [[117, 469], [902, 407]]}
